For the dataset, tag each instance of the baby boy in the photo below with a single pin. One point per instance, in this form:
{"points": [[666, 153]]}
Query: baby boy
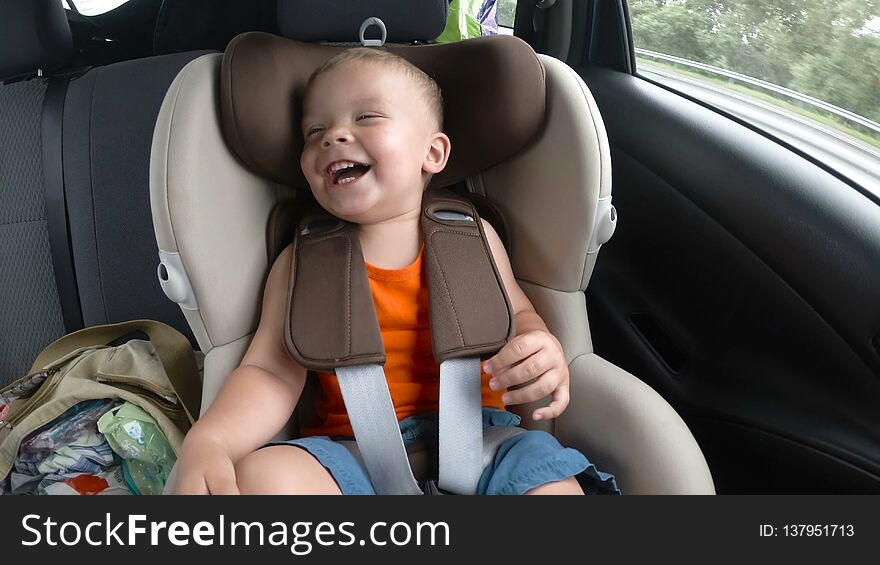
{"points": [[372, 126]]}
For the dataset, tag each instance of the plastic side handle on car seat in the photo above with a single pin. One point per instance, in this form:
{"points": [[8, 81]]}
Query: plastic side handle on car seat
{"points": [[174, 280], [604, 224]]}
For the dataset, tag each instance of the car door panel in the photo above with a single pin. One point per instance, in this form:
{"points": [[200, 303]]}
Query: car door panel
{"points": [[743, 283]]}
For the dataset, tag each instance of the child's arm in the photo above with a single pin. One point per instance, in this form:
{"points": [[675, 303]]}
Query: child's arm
{"points": [[532, 355], [254, 403]]}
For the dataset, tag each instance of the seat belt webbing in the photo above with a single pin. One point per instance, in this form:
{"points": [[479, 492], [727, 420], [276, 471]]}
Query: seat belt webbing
{"points": [[465, 449], [493, 437], [461, 426], [56, 205], [371, 412]]}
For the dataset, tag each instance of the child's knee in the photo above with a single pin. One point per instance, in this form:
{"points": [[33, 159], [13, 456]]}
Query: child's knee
{"points": [[568, 486], [253, 471], [283, 470]]}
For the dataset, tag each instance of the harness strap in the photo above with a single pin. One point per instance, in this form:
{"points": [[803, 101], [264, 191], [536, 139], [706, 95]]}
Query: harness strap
{"points": [[331, 321], [471, 315], [461, 426], [493, 437], [371, 412], [332, 324]]}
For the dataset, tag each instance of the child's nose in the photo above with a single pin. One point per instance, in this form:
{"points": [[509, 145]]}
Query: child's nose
{"points": [[335, 136]]}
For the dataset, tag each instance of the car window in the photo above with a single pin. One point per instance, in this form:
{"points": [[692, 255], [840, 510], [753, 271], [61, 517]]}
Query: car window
{"points": [[92, 7], [506, 13], [474, 18], [805, 71]]}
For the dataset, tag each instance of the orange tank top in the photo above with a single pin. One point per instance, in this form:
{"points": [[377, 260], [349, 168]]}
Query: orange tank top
{"points": [[401, 300]]}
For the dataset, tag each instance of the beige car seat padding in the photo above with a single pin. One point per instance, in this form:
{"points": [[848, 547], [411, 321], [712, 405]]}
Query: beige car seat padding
{"points": [[209, 208], [626, 428], [548, 194]]}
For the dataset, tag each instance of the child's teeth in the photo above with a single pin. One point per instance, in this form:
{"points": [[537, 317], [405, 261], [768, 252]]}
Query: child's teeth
{"points": [[342, 165]]}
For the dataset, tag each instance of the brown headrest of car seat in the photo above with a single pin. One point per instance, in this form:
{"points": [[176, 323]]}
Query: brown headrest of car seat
{"points": [[493, 93]]}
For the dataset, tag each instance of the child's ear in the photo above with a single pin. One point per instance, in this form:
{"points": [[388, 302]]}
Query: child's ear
{"points": [[438, 154]]}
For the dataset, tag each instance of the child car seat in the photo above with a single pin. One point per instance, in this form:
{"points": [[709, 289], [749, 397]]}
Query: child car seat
{"points": [[211, 206]]}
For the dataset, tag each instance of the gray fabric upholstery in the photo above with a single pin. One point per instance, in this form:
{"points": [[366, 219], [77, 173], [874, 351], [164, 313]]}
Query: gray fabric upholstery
{"points": [[187, 25], [340, 20], [34, 34], [30, 312], [109, 118]]}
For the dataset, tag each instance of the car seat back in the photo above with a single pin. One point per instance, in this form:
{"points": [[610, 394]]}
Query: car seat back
{"points": [[76, 235], [35, 40], [212, 196]]}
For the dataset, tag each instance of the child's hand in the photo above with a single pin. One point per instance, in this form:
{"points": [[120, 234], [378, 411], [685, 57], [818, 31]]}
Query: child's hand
{"points": [[205, 468], [534, 357]]}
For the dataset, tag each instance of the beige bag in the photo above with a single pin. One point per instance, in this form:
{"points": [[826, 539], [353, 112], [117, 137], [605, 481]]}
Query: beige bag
{"points": [[159, 375]]}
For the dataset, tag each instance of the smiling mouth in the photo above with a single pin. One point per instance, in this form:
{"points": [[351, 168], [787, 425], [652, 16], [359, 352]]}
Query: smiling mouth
{"points": [[344, 172]]}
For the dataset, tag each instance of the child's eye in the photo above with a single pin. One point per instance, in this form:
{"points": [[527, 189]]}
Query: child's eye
{"points": [[313, 130], [366, 116]]}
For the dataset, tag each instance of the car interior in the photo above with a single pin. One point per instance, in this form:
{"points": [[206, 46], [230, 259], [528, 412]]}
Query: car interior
{"points": [[733, 337]]}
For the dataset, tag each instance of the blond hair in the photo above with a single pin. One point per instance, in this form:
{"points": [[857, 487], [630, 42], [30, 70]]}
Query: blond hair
{"points": [[430, 89]]}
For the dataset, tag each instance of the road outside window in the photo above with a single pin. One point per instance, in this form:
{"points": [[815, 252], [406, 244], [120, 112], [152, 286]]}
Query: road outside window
{"points": [[805, 71]]}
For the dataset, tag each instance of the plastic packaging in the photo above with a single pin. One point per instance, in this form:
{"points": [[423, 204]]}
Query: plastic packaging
{"points": [[136, 438], [469, 18]]}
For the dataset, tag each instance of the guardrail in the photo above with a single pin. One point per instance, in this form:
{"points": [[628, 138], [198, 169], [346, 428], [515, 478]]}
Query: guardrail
{"points": [[787, 92]]}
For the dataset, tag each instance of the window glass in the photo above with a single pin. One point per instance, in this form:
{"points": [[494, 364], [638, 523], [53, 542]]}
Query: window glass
{"points": [[92, 7], [506, 13], [807, 71]]}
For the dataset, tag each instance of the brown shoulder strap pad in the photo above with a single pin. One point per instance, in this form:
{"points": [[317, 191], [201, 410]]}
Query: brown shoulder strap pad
{"points": [[471, 314], [331, 321]]}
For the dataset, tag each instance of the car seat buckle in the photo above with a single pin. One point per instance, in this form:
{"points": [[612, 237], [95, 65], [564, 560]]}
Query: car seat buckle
{"points": [[429, 487]]}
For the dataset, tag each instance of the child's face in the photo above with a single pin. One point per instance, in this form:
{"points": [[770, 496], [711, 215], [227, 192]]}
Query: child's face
{"points": [[373, 116]]}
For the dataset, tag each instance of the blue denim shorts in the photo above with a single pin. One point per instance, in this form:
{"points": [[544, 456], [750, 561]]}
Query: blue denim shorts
{"points": [[523, 462]]}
